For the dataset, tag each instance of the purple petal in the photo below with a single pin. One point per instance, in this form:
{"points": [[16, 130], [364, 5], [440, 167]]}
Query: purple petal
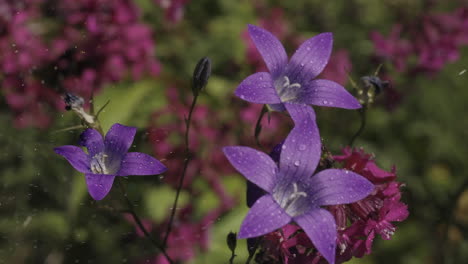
{"points": [[300, 152], [258, 88], [327, 93], [270, 47], [320, 227], [256, 166], [92, 140], [335, 186], [136, 163], [299, 112], [310, 58], [264, 217], [99, 185], [118, 140], [76, 156]]}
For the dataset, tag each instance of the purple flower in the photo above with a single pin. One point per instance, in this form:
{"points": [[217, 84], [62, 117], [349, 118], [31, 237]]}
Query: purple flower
{"points": [[292, 193], [107, 158], [292, 82]]}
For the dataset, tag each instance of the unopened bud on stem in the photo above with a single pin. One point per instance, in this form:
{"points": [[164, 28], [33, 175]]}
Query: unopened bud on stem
{"points": [[201, 74]]}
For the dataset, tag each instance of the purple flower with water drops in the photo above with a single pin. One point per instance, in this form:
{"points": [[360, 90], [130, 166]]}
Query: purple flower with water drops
{"points": [[293, 192], [107, 158], [293, 82]]}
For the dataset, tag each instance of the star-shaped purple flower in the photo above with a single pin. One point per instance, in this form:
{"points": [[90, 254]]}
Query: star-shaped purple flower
{"points": [[293, 192], [107, 158], [292, 82]]}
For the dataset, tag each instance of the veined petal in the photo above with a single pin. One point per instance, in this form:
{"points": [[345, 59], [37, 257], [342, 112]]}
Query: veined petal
{"points": [[76, 156], [301, 150], [99, 185], [299, 112], [256, 166], [320, 227], [310, 58], [270, 47], [118, 140], [136, 163], [327, 93], [92, 140], [335, 186], [258, 88], [264, 217]]}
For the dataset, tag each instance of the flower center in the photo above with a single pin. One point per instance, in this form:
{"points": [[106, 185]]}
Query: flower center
{"points": [[287, 91], [291, 199], [98, 163]]}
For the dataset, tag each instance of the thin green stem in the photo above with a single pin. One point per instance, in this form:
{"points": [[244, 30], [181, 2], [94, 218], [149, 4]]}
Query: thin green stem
{"points": [[258, 126], [140, 224], [362, 114], [186, 163], [231, 260]]}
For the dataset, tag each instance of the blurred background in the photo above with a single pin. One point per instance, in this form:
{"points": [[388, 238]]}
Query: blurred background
{"points": [[140, 55]]}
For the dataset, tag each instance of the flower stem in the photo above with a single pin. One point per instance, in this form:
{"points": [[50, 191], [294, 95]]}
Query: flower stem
{"points": [[258, 126], [186, 163], [362, 113], [140, 224]]}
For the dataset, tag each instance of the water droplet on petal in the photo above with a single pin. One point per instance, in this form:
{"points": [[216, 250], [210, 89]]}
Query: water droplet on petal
{"points": [[297, 163], [302, 147]]}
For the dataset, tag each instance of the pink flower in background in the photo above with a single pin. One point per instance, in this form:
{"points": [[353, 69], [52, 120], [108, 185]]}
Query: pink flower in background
{"points": [[393, 48], [435, 40], [338, 67], [173, 9], [83, 46]]}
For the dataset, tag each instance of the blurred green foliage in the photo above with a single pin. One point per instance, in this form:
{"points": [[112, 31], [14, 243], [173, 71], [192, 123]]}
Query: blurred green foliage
{"points": [[48, 217]]}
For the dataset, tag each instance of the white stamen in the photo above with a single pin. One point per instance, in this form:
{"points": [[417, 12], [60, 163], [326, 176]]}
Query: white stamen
{"points": [[295, 195], [288, 91], [98, 164]]}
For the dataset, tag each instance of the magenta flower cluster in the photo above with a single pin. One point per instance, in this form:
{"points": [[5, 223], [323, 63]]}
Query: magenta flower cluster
{"points": [[85, 44], [435, 41]]}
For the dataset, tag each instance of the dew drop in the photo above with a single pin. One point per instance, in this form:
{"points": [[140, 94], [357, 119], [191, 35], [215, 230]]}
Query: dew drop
{"points": [[302, 147], [297, 163]]}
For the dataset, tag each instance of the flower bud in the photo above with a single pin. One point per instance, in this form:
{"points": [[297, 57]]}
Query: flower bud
{"points": [[231, 240], [201, 74], [376, 82], [73, 102]]}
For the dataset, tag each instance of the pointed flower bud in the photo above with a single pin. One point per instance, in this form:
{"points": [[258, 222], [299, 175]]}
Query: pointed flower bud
{"points": [[231, 240], [201, 74]]}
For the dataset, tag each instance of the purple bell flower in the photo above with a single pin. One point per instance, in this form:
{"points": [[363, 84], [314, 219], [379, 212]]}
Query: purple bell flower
{"points": [[293, 82], [293, 192], [107, 158]]}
